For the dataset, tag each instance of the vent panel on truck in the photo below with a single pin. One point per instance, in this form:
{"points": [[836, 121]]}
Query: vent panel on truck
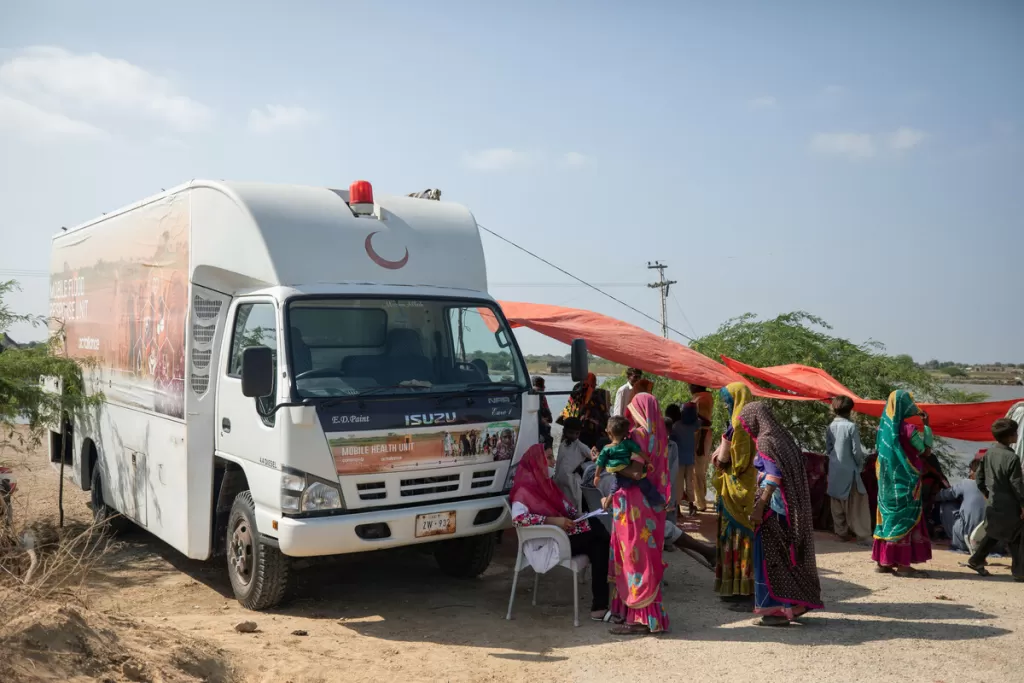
{"points": [[204, 329]]}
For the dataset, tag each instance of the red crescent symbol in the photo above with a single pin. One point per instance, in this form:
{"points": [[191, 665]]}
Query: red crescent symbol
{"points": [[379, 260]]}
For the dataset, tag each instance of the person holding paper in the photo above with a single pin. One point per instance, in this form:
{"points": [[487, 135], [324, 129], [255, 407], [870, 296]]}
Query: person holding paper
{"points": [[537, 500]]}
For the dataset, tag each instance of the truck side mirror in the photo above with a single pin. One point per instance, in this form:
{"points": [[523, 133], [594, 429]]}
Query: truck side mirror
{"points": [[257, 371], [579, 360]]}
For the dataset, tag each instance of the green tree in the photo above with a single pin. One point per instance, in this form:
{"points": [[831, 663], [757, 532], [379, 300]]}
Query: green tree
{"points": [[23, 398], [955, 371], [800, 337]]}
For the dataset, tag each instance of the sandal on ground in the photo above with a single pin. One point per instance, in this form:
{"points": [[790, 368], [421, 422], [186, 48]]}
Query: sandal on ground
{"points": [[605, 616], [612, 618], [979, 570], [771, 620], [912, 573], [879, 569], [630, 630]]}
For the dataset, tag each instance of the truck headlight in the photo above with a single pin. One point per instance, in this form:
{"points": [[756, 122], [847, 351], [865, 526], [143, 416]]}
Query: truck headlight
{"points": [[303, 492], [320, 496]]}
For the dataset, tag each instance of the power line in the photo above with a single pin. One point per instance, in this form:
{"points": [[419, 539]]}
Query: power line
{"points": [[565, 284], [683, 313], [581, 280], [19, 274]]}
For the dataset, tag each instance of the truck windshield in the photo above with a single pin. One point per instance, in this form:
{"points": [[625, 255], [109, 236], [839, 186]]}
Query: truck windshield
{"points": [[345, 347]]}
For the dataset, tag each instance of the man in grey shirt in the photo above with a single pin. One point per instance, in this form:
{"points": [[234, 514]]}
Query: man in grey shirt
{"points": [[851, 512], [962, 507]]}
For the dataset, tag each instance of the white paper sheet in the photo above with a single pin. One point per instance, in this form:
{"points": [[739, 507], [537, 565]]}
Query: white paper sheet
{"points": [[595, 513]]}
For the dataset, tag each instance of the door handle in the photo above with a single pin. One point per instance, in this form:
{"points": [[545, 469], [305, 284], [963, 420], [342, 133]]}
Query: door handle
{"points": [[225, 425]]}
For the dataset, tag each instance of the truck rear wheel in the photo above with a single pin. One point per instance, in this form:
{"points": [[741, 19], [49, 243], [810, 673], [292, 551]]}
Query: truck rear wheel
{"points": [[104, 517], [465, 558], [258, 572]]}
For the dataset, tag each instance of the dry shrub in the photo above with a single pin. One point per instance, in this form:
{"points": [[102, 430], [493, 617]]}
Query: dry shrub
{"points": [[41, 562], [47, 631]]}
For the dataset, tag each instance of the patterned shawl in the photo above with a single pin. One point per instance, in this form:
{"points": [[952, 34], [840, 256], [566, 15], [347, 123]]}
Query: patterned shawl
{"points": [[650, 433], [737, 483], [899, 481], [534, 488], [790, 569], [580, 397]]}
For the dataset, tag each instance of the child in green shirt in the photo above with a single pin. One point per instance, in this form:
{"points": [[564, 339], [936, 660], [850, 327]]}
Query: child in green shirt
{"points": [[618, 456]]}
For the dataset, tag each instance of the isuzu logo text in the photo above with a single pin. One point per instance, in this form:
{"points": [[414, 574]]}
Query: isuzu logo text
{"points": [[429, 419]]}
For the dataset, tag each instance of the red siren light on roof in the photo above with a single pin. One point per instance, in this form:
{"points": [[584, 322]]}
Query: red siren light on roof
{"points": [[360, 197]]}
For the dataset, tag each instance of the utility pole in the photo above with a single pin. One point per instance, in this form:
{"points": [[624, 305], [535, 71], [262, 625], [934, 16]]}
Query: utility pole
{"points": [[663, 285]]}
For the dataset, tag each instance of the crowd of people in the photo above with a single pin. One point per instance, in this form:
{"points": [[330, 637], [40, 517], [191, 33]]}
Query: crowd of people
{"points": [[646, 467]]}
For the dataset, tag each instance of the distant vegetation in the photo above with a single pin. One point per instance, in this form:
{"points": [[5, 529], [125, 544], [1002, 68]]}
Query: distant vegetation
{"points": [[541, 365], [994, 373]]}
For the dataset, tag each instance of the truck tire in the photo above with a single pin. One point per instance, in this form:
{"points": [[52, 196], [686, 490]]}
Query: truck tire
{"points": [[258, 572], [104, 517], [465, 558]]}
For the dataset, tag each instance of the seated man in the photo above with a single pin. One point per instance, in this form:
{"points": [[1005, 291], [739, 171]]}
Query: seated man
{"points": [[962, 508]]}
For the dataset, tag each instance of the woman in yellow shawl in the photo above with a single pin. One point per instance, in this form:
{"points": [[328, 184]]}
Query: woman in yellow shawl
{"points": [[735, 480]]}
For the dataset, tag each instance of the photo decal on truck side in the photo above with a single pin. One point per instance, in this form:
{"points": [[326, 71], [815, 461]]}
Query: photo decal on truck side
{"points": [[366, 452], [119, 290]]}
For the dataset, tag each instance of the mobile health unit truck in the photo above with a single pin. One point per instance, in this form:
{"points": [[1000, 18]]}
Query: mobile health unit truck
{"points": [[292, 372]]}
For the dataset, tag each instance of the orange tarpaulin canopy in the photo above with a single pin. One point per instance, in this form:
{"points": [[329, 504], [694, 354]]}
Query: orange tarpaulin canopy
{"points": [[967, 421], [801, 379], [630, 345], [627, 344]]}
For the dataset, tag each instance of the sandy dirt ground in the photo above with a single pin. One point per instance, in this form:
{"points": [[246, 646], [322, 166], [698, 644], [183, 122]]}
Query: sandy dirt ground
{"points": [[394, 616]]}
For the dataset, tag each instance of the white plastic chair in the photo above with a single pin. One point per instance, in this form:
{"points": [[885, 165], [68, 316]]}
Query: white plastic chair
{"points": [[577, 564]]}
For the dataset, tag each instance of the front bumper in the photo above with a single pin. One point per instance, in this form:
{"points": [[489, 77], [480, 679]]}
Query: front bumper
{"points": [[336, 535]]}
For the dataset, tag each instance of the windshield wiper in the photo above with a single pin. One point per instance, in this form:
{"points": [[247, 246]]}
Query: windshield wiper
{"points": [[477, 387], [369, 391], [491, 385]]}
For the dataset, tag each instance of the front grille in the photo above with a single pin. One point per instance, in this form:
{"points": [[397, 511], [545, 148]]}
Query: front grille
{"points": [[372, 490], [483, 479], [427, 485]]}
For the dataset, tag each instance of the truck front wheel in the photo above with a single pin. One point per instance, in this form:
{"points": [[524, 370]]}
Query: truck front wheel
{"points": [[258, 572], [465, 558]]}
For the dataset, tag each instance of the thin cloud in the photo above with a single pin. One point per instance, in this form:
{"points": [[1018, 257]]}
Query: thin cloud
{"points": [[30, 122], [55, 79], [576, 160], [834, 90], [496, 159], [906, 138], [848, 145], [275, 117], [763, 102], [858, 146]]}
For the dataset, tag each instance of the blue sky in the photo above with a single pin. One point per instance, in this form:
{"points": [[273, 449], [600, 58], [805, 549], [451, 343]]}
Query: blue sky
{"points": [[862, 161]]}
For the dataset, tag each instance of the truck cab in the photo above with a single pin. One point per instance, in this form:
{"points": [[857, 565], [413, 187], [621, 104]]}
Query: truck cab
{"points": [[391, 416]]}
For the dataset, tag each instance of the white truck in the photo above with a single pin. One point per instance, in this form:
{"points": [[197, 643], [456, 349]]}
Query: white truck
{"points": [[292, 372]]}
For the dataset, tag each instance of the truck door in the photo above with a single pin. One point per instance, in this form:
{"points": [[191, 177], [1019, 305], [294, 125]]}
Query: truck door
{"points": [[243, 428]]}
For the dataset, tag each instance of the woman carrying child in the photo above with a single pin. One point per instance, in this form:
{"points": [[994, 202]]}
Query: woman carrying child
{"points": [[636, 568]]}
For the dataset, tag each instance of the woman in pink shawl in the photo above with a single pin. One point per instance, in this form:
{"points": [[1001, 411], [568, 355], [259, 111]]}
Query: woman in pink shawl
{"points": [[536, 499], [638, 531]]}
